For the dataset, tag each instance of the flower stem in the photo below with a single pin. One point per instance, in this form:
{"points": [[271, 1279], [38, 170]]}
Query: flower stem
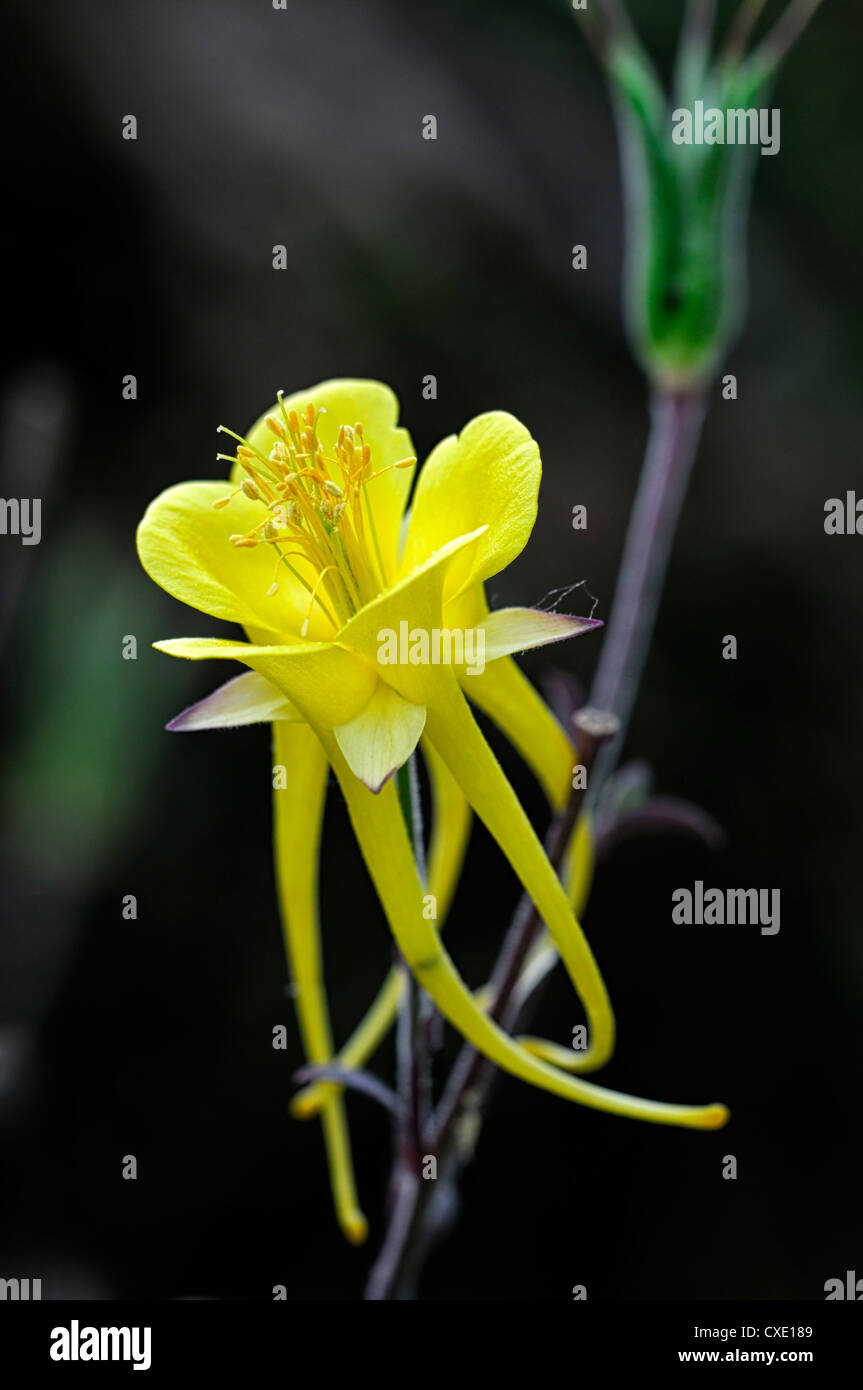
{"points": [[390, 1277], [676, 419]]}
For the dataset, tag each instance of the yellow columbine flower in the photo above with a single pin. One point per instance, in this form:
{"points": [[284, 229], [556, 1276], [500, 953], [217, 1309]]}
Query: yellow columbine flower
{"points": [[312, 553]]}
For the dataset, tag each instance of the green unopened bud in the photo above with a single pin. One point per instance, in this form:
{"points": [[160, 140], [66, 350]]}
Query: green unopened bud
{"points": [[687, 165]]}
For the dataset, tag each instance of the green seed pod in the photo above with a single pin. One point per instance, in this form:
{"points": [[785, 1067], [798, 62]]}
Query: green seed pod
{"points": [[686, 196]]}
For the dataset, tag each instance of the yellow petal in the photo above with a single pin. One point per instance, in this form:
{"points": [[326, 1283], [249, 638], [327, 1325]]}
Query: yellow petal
{"points": [[454, 733], [298, 812], [381, 737], [509, 630], [380, 830], [579, 863], [375, 407], [247, 699], [451, 820], [449, 834], [312, 675], [414, 604], [184, 544], [505, 694], [451, 823], [442, 981], [488, 476], [577, 876]]}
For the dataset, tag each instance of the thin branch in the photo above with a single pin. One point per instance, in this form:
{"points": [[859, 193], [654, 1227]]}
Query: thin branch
{"points": [[396, 1261], [395, 1251], [605, 23], [698, 26], [659, 814], [693, 53], [352, 1080], [784, 34], [741, 30], [676, 420]]}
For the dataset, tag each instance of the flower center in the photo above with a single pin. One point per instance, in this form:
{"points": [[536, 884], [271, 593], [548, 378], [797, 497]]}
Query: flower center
{"points": [[317, 509]]}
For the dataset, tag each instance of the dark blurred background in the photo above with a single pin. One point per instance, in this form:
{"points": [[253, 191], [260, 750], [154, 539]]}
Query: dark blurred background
{"points": [[406, 257]]}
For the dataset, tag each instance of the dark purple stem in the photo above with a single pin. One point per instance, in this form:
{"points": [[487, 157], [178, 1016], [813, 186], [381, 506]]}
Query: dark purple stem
{"points": [[389, 1274], [675, 428]]}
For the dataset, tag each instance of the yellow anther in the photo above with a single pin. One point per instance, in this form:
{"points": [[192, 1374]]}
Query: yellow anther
{"points": [[249, 489], [275, 427], [270, 531], [273, 589], [294, 421], [279, 452], [223, 501], [333, 511], [310, 413], [403, 463], [333, 489]]}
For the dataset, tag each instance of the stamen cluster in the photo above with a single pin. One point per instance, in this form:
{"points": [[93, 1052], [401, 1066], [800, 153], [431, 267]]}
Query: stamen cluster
{"points": [[318, 511]]}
